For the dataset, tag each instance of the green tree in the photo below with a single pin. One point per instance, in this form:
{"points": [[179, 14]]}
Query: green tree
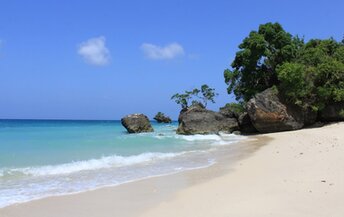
{"points": [[254, 67], [310, 75], [296, 83], [182, 99], [207, 95], [316, 77]]}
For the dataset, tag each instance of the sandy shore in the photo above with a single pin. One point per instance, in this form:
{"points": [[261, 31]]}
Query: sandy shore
{"points": [[298, 173]]}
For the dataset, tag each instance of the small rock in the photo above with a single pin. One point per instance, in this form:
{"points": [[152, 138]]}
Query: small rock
{"points": [[137, 123], [162, 118]]}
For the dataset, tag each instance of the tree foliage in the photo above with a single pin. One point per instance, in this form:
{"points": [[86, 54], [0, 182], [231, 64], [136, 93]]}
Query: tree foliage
{"points": [[207, 94], [308, 74], [316, 77], [198, 96], [254, 67]]}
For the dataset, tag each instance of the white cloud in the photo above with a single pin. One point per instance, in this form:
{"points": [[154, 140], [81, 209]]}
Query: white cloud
{"points": [[156, 52], [94, 51]]}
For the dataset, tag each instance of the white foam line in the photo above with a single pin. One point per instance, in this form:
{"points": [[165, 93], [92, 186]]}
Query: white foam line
{"points": [[211, 163], [93, 164]]}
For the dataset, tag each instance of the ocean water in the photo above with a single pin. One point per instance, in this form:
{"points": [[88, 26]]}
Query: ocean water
{"points": [[40, 158]]}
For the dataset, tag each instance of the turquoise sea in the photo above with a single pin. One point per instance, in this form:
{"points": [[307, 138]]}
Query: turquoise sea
{"points": [[40, 158]]}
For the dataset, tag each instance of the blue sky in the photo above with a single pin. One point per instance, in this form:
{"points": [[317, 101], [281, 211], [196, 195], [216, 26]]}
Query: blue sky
{"points": [[104, 59]]}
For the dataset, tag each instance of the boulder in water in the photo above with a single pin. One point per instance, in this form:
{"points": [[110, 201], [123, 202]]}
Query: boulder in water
{"points": [[137, 123], [162, 118]]}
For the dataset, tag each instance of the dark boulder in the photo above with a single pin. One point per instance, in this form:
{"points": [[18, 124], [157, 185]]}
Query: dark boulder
{"points": [[245, 124], [198, 120], [333, 112], [268, 113], [230, 111], [309, 116], [137, 123], [162, 118]]}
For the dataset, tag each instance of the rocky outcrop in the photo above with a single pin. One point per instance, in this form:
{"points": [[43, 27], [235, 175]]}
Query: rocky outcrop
{"points": [[198, 120], [230, 111], [137, 123], [245, 124], [227, 112], [269, 114], [162, 118], [333, 112]]}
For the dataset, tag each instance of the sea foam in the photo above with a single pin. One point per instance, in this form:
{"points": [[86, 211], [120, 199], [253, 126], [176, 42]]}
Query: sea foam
{"points": [[92, 164]]}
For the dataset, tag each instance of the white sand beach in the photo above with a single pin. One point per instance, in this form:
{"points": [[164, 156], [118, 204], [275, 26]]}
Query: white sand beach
{"points": [[296, 174]]}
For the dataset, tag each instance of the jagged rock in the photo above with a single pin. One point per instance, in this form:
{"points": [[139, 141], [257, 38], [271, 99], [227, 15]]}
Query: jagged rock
{"points": [[198, 120], [245, 123], [162, 118], [229, 112], [333, 112], [269, 114], [137, 123]]}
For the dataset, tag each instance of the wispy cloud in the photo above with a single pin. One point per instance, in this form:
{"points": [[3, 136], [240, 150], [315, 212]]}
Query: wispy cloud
{"points": [[94, 51], [156, 52]]}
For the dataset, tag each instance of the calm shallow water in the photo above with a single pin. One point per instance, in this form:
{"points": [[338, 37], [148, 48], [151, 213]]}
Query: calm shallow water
{"points": [[40, 158]]}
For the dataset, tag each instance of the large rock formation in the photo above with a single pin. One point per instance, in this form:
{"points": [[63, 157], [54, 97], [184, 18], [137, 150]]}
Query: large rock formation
{"points": [[333, 112], [137, 123], [162, 118], [198, 120], [269, 114]]}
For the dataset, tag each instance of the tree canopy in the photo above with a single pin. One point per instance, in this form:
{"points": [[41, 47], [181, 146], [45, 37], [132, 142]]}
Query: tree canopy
{"points": [[254, 66], [308, 74], [316, 77]]}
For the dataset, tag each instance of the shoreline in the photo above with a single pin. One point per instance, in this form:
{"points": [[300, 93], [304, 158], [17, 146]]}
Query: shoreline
{"points": [[292, 175], [227, 153]]}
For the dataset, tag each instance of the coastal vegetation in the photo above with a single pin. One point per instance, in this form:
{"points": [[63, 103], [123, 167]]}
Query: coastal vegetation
{"points": [[280, 81], [197, 96], [307, 74]]}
